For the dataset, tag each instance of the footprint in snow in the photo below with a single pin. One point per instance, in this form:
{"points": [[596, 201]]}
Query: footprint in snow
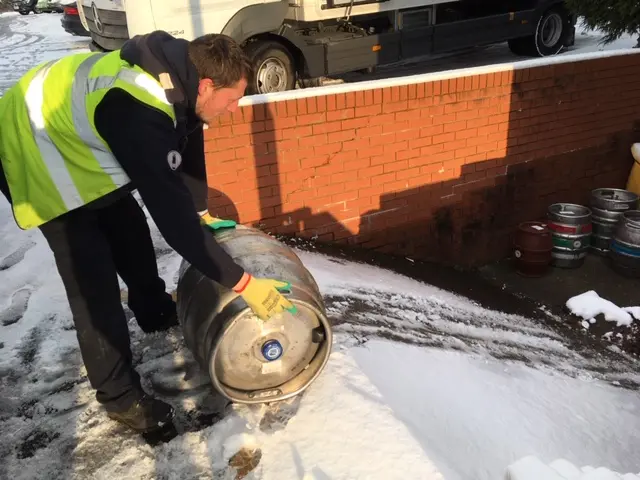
{"points": [[15, 311], [16, 257]]}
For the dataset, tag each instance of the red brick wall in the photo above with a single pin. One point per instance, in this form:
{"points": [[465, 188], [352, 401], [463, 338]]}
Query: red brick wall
{"points": [[440, 170]]}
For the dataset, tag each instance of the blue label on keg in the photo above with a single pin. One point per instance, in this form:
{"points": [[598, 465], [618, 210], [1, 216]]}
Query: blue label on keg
{"points": [[272, 350]]}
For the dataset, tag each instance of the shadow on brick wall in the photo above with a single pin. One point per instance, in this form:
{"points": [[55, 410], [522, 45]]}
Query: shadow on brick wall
{"points": [[469, 218]]}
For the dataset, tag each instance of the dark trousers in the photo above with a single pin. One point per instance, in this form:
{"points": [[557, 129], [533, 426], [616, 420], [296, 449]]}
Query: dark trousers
{"points": [[91, 247]]}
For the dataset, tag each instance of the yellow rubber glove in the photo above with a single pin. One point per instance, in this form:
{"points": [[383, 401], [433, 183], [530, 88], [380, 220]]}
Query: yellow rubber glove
{"points": [[263, 295], [215, 223]]}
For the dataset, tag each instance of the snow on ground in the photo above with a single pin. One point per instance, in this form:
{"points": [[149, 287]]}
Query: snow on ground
{"points": [[589, 304], [532, 468], [421, 383], [26, 41]]}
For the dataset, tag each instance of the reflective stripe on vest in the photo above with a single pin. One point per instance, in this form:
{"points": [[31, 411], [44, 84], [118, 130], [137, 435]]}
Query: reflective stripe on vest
{"points": [[65, 163]]}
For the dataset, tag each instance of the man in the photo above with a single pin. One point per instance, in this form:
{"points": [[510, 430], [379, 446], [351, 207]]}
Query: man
{"points": [[77, 136]]}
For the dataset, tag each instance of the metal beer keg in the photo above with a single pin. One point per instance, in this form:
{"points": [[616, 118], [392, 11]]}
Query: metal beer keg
{"points": [[248, 360]]}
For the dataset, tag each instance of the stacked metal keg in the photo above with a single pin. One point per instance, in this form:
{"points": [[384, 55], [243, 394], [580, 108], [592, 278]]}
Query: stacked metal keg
{"points": [[610, 227], [571, 227], [608, 206]]}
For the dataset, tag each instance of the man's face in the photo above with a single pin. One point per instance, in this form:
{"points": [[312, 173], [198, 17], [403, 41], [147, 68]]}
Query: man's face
{"points": [[213, 101]]}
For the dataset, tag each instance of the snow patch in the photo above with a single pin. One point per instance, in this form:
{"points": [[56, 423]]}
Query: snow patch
{"points": [[532, 468], [589, 304]]}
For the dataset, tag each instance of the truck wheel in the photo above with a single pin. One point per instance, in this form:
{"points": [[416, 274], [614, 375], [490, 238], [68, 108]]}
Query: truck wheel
{"points": [[273, 68], [551, 35]]}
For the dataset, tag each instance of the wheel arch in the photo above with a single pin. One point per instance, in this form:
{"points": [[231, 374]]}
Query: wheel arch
{"points": [[297, 55], [254, 20]]}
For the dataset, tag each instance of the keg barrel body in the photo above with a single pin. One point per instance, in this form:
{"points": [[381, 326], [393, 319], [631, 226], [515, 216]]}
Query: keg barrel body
{"points": [[250, 360], [571, 227], [607, 206], [532, 248], [625, 245]]}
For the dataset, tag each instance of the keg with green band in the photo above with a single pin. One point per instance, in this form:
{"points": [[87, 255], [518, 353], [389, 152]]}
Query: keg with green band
{"points": [[571, 229], [53, 157]]}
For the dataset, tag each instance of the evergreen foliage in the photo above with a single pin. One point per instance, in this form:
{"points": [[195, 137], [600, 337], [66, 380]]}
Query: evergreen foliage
{"points": [[613, 17]]}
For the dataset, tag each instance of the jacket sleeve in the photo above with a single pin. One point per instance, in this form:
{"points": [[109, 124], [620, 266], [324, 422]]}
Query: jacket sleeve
{"points": [[193, 170], [145, 143]]}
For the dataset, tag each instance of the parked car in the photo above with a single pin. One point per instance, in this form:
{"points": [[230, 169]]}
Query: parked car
{"points": [[71, 21], [25, 7]]}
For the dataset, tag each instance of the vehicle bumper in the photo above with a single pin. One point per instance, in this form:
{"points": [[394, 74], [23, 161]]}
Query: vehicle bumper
{"points": [[73, 25]]}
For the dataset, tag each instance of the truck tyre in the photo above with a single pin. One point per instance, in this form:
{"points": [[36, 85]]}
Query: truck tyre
{"points": [[273, 68], [552, 32]]}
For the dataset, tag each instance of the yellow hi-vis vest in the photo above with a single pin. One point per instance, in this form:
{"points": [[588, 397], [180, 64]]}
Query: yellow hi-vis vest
{"points": [[52, 155]]}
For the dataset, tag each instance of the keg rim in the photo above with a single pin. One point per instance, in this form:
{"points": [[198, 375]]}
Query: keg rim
{"points": [[633, 196], [327, 343], [587, 210]]}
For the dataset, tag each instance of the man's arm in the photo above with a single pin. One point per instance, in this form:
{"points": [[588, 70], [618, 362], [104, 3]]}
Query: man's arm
{"points": [[193, 171], [142, 139]]}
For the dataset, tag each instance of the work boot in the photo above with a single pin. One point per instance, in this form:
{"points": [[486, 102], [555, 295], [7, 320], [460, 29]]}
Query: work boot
{"points": [[146, 414], [164, 321]]}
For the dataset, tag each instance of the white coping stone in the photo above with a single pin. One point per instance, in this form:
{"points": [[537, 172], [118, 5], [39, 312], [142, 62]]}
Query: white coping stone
{"points": [[428, 77]]}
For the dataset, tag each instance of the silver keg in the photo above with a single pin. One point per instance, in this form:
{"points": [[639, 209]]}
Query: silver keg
{"points": [[570, 225], [250, 360], [607, 206], [625, 245]]}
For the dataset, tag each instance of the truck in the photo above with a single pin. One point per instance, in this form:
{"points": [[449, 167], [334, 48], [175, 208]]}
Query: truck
{"points": [[293, 42]]}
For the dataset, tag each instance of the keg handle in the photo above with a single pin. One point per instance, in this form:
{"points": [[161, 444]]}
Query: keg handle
{"points": [[610, 194]]}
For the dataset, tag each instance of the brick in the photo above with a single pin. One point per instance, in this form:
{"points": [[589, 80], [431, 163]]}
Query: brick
{"points": [[321, 103], [341, 136], [467, 134], [356, 164], [444, 118], [372, 191], [432, 130], [394, 107], [407, 135], [357, 185], [382, 119], [455, 107], [313, 162], [340, 114], [446, 137], [381, 139], [370, 171], [408, 115], [384, 178], [455, 126], [395, 127], [354, 123], [326, 127], [368, 111], [328, 149], [465, 152], [357, 144], [395, 147], [313, 140], [395, 166], [311, 118], [312, 106]]}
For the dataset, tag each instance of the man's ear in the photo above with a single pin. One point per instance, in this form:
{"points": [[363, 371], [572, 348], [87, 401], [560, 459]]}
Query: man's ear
{"points": [[204, 85]]}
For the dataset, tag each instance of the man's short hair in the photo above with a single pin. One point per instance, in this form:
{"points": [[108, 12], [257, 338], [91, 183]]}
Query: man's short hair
{"points": [[220, 59]]}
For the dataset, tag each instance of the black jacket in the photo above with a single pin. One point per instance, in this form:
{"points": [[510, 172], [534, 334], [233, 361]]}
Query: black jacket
{"points": [[141, 138]]}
